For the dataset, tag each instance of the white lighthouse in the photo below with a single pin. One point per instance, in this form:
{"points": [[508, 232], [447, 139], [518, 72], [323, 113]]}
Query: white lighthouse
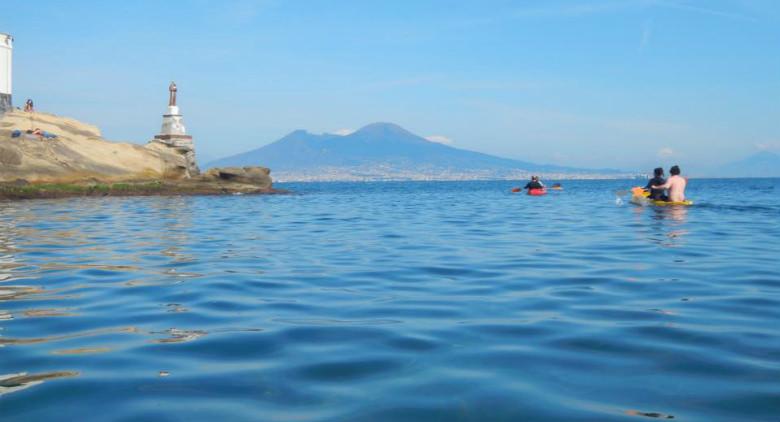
{"points": [[173, 134], [6, 50]]}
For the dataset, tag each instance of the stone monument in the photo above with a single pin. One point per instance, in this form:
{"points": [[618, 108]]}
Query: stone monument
{"points": [[174, 135]]}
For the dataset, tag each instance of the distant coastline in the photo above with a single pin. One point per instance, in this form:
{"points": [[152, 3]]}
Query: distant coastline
{"points": [[386, 151], [347, 175]]}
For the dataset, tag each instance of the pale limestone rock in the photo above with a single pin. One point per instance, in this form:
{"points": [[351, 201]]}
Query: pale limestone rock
{"points": [[79, 153]]}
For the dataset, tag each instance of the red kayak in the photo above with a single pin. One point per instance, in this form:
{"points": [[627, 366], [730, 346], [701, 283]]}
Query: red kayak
{"points": [[537, 192]]}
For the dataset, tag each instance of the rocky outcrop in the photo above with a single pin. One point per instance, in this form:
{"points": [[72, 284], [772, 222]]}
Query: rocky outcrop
{"points": [[78, 152], [77, 161], [255, 176]]}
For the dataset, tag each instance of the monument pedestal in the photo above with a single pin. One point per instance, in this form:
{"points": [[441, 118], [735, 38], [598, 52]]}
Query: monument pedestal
{"points": [[174, 135]]}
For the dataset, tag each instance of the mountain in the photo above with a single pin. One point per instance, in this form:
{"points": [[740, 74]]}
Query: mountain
{"points": [[760, 164], [383, 151]]}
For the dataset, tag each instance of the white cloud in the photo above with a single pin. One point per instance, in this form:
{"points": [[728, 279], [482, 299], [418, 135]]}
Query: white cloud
{"points": [[665, 152], [343, 132], [768, 146], [440, 139]]}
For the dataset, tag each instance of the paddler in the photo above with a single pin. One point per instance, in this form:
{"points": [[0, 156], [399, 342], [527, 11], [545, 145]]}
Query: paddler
{"points": [[534, 184], [676, 185], [658, 180]]}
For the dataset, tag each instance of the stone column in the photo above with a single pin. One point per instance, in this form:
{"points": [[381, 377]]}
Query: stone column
{"points": [[173, 134], [6, 62]]}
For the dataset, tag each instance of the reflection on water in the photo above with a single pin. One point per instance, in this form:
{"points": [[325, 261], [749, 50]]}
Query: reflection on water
{"points": [[392, 301], [649, 414], [675, 213], [18, 292], [12, 383], [38, 313], [36, 340], [82, 351], [179, 336]]}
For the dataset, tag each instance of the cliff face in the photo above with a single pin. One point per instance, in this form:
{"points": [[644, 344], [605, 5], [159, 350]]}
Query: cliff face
{"points": [[78, 153]]}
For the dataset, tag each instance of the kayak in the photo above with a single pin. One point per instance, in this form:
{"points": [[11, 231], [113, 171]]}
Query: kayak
{"points": [[642, 200], [640, 197], [537, 192]]}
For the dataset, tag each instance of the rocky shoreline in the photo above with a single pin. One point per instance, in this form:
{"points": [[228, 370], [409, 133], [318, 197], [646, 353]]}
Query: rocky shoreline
{"points": [[72, 159], [225, 181], [16, 191]]}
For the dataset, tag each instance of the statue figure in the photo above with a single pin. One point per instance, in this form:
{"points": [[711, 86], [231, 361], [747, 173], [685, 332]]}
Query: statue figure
{"points": [[172, 97]]}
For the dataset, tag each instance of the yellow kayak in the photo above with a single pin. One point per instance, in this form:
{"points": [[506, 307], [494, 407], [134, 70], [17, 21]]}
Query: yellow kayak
{"points": [[640, 198], [665, 203]]}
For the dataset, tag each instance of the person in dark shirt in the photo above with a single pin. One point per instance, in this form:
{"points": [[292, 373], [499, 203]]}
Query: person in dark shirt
{"points": [[534, 183], [657, 180]]}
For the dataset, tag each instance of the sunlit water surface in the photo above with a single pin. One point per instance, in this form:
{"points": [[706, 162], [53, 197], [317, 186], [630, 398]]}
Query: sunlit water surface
{"points": [[393, 301]]}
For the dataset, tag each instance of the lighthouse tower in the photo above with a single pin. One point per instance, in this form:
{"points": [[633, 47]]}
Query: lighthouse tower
{"points": [[173, 134], [6, 50]]}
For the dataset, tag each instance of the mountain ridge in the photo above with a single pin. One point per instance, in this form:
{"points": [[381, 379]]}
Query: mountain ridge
{"points": [[758, 164], [385, 150]]}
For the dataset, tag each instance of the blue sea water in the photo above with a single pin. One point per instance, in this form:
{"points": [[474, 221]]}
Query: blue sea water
{"points": [[439, 301]]}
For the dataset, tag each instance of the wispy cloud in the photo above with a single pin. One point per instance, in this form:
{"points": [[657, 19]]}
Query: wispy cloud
{"points": [[575, 8], [704, 10], [647, 33], [440, 139], [556, 9], [666, 152], [583, 8]]}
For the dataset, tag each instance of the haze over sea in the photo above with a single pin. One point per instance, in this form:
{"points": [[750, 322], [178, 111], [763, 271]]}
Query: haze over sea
{"points": [[393, 301]]}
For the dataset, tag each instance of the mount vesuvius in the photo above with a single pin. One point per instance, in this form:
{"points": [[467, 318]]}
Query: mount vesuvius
{"points": [[382, 151]]}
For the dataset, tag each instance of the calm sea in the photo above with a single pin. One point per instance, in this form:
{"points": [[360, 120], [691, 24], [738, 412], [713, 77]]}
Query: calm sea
{"points": [[393, 302]]}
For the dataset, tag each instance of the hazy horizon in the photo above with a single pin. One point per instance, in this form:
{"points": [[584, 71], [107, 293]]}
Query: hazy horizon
{"points": [[628, 84]]}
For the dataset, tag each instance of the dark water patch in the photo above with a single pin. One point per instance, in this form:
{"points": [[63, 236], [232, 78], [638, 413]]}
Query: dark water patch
{"points": [[331, 334], [351, 369], [413, 344], [337, 322]]}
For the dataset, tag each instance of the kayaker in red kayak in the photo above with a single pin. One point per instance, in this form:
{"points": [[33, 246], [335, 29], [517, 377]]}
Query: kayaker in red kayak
{"points": [[534, 185]]}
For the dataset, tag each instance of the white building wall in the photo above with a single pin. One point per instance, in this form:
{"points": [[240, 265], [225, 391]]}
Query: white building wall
{"points": [[6, 49]]}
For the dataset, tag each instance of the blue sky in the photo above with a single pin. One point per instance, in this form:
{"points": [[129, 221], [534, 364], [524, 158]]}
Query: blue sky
{"points": [[629, 84]]}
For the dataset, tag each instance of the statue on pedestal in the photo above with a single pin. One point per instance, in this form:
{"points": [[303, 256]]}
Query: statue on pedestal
{"points": [[172, 96], [173, 135]]}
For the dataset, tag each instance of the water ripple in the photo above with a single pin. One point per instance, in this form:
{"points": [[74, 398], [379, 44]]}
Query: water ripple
{"points": [[393, 301]]}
